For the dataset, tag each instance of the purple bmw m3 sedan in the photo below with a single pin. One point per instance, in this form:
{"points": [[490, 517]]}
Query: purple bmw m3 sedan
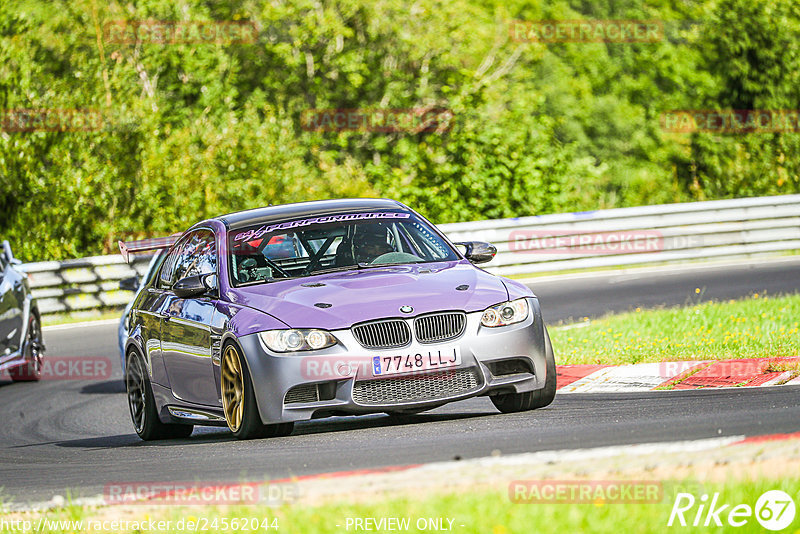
{"points": [[265, 317]]}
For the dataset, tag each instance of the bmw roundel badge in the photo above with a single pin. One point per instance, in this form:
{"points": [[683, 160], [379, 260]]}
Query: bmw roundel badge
{"points": [[406, 309]]}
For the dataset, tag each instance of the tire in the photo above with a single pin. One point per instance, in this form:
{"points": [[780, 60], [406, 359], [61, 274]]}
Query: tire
{"points": [[31, 370], [239, 400], [142, 405], [530, 400]]}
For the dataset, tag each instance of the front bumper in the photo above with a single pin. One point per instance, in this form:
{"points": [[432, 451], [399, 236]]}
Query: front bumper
{"points": [[338, 380]]}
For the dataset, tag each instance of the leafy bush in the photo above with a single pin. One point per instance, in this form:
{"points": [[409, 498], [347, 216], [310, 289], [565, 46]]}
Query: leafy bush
{"points": [[195, 130]]}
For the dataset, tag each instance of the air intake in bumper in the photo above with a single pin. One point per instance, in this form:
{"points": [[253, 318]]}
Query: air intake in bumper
{"points": [[424, 387], [302, 393]]}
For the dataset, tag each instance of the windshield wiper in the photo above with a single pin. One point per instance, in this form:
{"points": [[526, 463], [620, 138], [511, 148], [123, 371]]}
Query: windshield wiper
{"points": [[336, 269], [260, 281], [363, 266], [374, 265]]}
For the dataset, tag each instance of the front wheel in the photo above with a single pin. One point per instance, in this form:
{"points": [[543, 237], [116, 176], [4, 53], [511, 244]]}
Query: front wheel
{"points": [[239, 400], [530, 400], [31, 370], [142, 405]]}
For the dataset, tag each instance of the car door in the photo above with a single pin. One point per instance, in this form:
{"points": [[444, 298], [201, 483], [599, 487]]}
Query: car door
{"points": [[186, 324], [5, 299], [146, 315], [11, 300]]}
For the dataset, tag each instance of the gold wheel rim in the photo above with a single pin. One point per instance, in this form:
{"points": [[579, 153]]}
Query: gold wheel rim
{"points": [[232, 388]]}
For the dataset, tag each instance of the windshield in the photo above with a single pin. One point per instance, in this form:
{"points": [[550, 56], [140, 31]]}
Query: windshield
{"points": [[304, 247]]}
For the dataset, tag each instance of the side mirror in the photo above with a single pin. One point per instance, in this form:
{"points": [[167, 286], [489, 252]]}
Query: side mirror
{"points": [[478, 251], [194, 286], [129, 284]]}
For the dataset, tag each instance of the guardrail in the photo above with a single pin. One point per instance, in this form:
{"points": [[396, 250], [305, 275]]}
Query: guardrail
{"points": [[630, 236], [82, 284], [526, 245]]}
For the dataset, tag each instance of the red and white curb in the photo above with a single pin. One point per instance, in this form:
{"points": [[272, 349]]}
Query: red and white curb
{"points": [[677, 375]]}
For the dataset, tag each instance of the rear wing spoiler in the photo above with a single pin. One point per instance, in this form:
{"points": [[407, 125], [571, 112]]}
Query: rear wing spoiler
{"points": [[126, 248]]}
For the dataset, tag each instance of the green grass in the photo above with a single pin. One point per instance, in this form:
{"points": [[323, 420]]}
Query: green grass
{"points": [[484, 512], [758, 326]]}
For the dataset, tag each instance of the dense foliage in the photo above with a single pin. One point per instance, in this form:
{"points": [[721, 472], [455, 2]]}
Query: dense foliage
{"points": [[195, 129]]}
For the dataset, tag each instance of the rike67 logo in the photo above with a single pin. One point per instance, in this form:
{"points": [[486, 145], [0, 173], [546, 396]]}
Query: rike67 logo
{"points": [[774, 510]]}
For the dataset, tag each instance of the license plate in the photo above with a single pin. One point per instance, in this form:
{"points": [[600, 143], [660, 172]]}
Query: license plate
{"points": [[423, 360]]}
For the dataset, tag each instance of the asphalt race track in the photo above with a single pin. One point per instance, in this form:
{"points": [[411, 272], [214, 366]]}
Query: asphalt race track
{"points": [[594, 294], [76, 436]]}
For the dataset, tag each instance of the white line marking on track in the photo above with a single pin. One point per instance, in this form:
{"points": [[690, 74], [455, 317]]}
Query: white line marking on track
{"points": [[85, 324]]}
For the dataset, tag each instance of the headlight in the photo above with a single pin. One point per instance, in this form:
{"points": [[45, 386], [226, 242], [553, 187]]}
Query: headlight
{"points": [[505, 314], [297, 339]]}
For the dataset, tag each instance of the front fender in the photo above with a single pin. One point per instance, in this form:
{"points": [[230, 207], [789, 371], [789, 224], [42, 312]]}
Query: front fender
{"points": [[249, 321], [254, 368]]}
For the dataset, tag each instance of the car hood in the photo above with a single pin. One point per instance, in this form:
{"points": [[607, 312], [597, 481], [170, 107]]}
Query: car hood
{"points": [[339, 300]]}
